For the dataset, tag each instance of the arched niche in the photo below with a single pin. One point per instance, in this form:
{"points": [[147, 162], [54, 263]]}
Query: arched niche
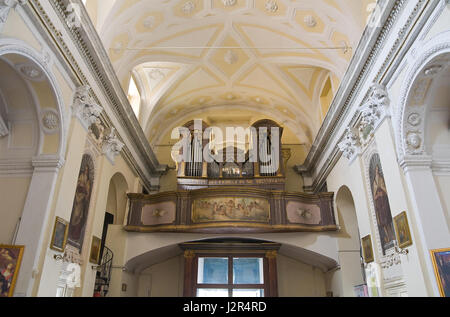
{"points": [[32, 149], [30, 130], [422, 135], [300, 272], [117, 198], [348, 240]]}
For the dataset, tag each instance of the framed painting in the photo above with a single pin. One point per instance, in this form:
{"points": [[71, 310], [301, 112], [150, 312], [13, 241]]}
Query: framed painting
{"points": [[10, 261], [402, 230], [367, 249], [94, 256], [60, 233], [441, 264]]}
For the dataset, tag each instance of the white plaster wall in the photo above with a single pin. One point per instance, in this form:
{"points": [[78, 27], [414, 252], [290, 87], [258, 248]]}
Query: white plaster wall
{"points": [[164, 279], [13, 192], [443, 186], [322, 243], [296, 279]]}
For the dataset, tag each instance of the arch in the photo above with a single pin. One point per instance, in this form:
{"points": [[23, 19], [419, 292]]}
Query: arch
{"points": [[410, 121], [31, 109], [117, 198], [349, 247], [146, 259], [42, 62]]}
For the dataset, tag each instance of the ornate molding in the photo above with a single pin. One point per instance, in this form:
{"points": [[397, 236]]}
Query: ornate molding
{"points": [[411, 115], [364, 64], [374, 109], [140, 155], [84, 107], [372, 113], [5, 7], [112, 146], [350, 145]]}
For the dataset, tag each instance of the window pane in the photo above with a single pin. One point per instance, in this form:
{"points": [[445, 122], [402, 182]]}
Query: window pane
{"points": [[248, 293], [248, 271], [212, 292], [212, 271]]}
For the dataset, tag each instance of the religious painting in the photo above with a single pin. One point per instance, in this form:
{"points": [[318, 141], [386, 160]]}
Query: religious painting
{"points": [[441, 264], [81, 203], [367, 249], [402, 229], [59, 237], [10, 260], [231, 209], [381, 204], [94, 256]]}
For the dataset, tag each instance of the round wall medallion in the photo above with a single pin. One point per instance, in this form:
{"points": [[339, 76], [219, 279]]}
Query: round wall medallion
{"points": [[50, 121], [414, 119], [414, 140], [31, 72]]}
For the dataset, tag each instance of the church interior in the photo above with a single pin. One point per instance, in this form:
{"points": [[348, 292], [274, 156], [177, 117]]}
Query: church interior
{"points": [[224, 148]]}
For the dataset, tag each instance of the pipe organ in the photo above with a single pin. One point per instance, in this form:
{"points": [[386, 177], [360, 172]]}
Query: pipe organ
{"points": [[256, 163]]}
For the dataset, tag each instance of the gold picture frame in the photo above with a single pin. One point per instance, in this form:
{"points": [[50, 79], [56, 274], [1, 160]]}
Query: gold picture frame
{"points": [[367, 249], [94, 255], [60, 234], [10, 261], [402, 230], [441, 265]]}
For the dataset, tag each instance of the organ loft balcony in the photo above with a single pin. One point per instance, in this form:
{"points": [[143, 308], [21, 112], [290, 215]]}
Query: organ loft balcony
{"points": [[234, 190]]}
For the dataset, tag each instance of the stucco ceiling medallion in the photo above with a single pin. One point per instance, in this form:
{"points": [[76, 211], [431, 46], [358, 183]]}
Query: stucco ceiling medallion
{"points": [[231, 57], [271, 6], [188, 7], [310, 21], [149, 22], [229, 3]]}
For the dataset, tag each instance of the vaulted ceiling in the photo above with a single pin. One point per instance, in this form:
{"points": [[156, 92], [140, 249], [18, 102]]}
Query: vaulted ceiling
{"points": [[244, 59]]}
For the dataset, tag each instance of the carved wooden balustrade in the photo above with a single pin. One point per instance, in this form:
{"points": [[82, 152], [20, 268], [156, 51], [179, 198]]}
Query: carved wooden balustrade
{"points": [[230, 210]]}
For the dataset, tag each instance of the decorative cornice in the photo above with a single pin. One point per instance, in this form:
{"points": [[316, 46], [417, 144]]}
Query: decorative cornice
{"points": [[416, 162], [361, 67], [85, 38], [47, 162]]}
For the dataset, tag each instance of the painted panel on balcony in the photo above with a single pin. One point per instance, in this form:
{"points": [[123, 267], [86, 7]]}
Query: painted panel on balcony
{"points": [[157, 214], [298, 212], [231, 209]]}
